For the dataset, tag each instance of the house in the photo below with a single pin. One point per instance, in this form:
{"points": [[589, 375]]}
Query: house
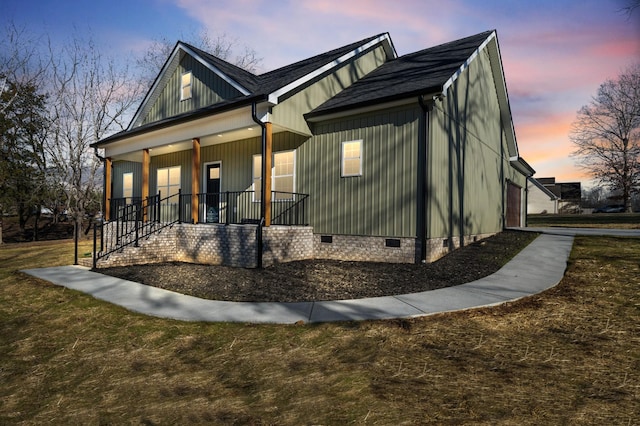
{"points": [[540, 200], [353, 154], [569, 194]]}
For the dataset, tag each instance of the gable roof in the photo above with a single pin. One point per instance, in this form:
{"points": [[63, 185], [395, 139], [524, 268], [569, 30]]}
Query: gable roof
{"points": [[427, 71], [272, 84]]}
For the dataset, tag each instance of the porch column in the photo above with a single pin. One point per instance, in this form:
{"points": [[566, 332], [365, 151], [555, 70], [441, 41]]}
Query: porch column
{"points": [[267, 176], [107, 188], [195, 179], [145, 180]]}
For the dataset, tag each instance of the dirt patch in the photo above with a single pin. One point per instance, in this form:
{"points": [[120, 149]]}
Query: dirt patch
{"points": [[314, 280]]}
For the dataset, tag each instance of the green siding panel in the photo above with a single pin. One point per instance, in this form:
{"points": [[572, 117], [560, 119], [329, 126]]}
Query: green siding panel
{"points": [[207, 89], [381, 202], [290, 112], [119, 168], [468, 157]]}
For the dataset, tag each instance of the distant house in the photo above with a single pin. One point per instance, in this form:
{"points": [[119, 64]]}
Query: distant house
{"points": [[353, 154], [569, 194], [540, 200]]}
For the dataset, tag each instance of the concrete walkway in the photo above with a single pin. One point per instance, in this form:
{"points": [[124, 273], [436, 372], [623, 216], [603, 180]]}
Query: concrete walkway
{"points": [[539, 266]]}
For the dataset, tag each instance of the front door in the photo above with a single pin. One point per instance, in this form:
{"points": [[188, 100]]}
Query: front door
{"points": [[212, 201]]}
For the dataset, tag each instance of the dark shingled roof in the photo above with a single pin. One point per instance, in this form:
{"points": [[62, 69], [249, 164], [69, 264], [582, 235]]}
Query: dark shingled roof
{"points": [[417, 73], [276, 79], [243, 77]]}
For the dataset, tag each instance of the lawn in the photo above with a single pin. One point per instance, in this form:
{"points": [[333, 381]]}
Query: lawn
{"points": [[570, 355]]}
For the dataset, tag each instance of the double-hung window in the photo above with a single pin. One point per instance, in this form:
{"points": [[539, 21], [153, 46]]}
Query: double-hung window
{"points": [[282, 175], [351, 158]]}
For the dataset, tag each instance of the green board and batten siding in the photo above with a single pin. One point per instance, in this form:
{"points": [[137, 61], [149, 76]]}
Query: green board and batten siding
{"points": [[468, 157], [207, 89], [290, 112], [119, 169], [381, 202]]}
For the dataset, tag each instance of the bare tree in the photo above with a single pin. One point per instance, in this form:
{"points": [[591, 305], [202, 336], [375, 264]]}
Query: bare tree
{"points": [[91, 97], [20, 62], [221, 46], [632, 5], [606, 134]]}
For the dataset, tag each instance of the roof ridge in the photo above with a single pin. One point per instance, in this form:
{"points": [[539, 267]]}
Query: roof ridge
{"points": [[484, 34], [326, 53]]}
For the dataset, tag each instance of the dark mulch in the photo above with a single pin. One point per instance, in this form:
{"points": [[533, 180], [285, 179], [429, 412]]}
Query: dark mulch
{"points": [[313, 280]]}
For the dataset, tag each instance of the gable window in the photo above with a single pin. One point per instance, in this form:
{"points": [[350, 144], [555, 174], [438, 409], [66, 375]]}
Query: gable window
{"points": [[169, 182], [351, 158], [127, 185], [185, 86], [282, 175]]}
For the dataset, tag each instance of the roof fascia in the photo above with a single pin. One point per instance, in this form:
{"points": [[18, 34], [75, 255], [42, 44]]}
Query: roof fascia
{"points": [[522, 166], [216, 70], [362, 108], [169, 67], [501, 86], [543, 188], [384, 39], [466, 63], [172, 121]]}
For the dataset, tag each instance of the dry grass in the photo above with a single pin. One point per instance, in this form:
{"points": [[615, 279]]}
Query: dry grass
{"points": [[568, 356]]}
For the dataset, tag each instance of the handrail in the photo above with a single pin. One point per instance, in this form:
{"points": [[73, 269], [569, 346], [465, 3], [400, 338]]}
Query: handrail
{"points": [[133, 222]]}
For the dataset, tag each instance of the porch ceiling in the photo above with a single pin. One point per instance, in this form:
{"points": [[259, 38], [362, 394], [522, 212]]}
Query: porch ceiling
{"points": [[159, 143]]}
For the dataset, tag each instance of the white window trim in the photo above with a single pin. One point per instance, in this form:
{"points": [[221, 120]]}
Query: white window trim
{"points": [[273, 166], [168, 168], [183, 86], [343, 158]]}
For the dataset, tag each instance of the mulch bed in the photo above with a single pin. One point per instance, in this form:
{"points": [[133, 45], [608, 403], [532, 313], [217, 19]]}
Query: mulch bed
{"points": [[315, 280]]}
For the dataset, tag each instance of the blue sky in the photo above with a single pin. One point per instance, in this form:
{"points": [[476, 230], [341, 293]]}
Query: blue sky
{"points": [[555, 53]]}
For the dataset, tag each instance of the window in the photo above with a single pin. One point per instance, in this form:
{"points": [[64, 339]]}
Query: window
{"points": [[282, 175], [169, 182], [185, 86], [127, 185], [351, 158]]}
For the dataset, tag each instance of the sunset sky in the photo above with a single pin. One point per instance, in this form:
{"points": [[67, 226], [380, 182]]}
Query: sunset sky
{"points": [[555, 53]]}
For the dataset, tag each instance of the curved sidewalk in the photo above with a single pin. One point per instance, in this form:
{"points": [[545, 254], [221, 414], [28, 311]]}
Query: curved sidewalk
{"points": [[539, 266]]}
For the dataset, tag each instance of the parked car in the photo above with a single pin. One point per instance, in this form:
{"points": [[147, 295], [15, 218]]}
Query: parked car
{"points": [[613, 208]]}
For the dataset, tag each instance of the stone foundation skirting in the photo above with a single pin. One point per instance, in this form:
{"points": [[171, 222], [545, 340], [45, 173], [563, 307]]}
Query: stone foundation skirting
{"points": [[363, 248], [230, 245], [438, 247], [236, 245]]}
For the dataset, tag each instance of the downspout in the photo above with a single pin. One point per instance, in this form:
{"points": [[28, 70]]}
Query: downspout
{"points": [[423, 181], [262, 181]]}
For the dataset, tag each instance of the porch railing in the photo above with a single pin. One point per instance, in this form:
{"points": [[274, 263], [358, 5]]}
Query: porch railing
{"points": [[132, 222], [241, 207], [134, 218]]}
